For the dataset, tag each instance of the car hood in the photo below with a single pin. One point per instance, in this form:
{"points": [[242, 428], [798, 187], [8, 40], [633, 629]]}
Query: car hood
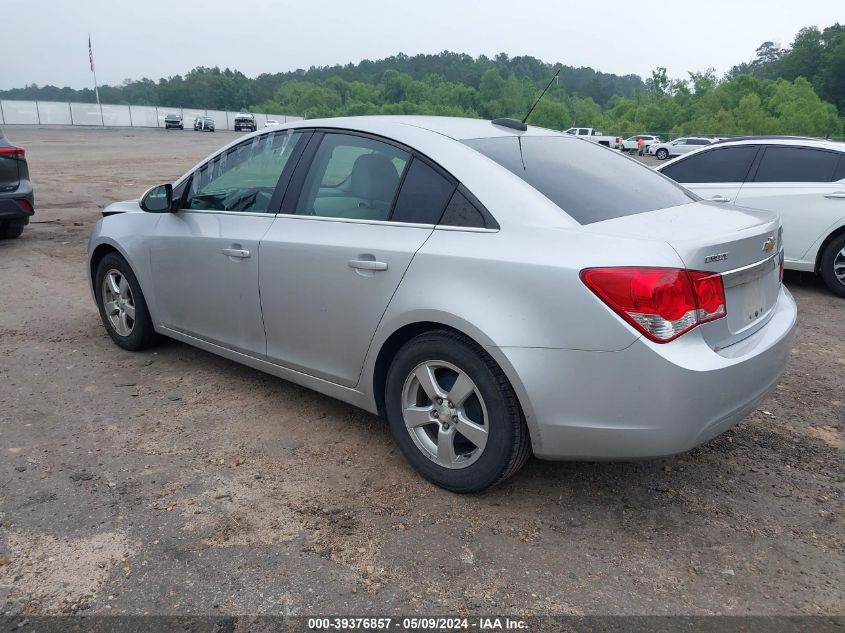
{"points": [[126, 206]]}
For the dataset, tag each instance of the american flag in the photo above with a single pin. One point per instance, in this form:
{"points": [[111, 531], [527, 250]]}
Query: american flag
{"points": [[90, 54]]}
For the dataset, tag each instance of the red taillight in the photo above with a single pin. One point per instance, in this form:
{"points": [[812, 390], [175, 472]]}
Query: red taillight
{"points": [[13, 152], [662, 303], [24, 204]]}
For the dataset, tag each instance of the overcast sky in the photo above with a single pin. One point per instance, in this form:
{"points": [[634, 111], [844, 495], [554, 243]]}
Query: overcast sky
{"points": [[47, 41]]}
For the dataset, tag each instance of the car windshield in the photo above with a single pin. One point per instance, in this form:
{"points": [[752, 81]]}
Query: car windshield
{"points": [[589, 182]]}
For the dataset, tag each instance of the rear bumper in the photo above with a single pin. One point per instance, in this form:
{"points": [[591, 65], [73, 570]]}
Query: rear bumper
{"points": [[648, 400], [10, 210]]}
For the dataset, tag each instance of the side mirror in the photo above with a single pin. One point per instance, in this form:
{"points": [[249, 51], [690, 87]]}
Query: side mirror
{"points": [[158, 199]]}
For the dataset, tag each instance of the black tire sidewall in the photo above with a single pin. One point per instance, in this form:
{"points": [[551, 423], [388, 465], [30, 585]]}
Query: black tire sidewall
{"points": [[143, 333], [826, 267], [11, 230], [500, 405]]}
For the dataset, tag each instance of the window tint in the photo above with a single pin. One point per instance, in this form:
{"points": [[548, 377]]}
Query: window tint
{"points": [[462, 212], [352, 177], [423, 196], [840, 170], [698, 141], [796, 164], [243, 178], [586, 180], [726, 164]]}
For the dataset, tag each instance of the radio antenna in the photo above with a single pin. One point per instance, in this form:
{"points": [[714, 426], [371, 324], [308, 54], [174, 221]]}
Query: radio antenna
{"points": [[541, 96]]}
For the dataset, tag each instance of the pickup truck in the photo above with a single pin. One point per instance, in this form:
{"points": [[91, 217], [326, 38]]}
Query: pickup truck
{"points": [[596, 137], [245, 121]]}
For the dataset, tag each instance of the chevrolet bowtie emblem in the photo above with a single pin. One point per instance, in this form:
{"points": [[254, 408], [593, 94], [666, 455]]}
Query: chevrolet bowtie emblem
{"points": [[769, 244]]}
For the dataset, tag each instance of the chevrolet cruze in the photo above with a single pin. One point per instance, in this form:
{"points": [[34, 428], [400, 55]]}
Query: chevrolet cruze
{"points": [[492, 290]]}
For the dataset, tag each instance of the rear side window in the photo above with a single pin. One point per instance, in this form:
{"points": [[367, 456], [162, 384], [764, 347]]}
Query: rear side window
{"points": [[840, 170], [796, 164], [423, 196], [462, 212], [726, 164], [589, 182], [352, 177]]}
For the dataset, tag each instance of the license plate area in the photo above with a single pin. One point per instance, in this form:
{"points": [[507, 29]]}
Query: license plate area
{"points": [[751, 293]]}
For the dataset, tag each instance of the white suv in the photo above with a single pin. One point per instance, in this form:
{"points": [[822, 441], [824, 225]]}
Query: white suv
{"points": [[631, 144], [803, 180], [679, 146]]}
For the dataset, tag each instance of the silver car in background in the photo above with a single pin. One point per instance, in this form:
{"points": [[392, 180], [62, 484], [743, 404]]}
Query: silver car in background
{"points": [[492, 291]]}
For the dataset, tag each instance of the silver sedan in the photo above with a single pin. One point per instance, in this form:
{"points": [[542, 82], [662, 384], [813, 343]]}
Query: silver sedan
{"points": [[493, 291]]}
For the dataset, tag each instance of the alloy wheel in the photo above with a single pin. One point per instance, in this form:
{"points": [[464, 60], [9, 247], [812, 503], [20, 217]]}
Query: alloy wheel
{"points": [[118, 302], [445, 414], [839, 266]]}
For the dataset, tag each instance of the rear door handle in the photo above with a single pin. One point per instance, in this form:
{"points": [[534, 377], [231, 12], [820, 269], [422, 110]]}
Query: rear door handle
{"points": [[367, 264], [720, 199], [835, 194], [236, 252]]}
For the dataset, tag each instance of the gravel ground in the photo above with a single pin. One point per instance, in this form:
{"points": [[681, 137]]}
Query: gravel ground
{"points": [[173, 481]]}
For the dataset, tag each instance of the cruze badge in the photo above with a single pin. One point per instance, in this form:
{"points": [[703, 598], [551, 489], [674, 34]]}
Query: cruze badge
{"points": [[718, 257], [769, 244]]}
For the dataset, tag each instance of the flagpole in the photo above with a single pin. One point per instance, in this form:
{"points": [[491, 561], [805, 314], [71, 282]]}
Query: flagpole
{"points": [[96, 89]]}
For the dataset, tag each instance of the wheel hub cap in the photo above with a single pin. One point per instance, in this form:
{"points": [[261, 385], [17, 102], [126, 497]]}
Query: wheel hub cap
{"points": [[445, 414]]}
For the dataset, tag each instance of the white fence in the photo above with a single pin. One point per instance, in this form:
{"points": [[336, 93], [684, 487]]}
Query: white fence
{"points": [[64, 113]]}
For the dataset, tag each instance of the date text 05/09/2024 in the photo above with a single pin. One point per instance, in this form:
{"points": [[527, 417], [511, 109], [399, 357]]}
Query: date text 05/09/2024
{"points": [[417, 623]]}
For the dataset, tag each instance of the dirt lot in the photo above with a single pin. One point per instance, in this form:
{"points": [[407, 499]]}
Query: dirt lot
{"points": [[173, 481]]}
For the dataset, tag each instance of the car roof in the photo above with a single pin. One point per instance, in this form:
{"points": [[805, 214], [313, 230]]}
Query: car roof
{"points": [[796, 141], [457, 128]]}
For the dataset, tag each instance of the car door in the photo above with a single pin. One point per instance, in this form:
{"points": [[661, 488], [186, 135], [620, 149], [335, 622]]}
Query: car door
{"points": [[677, 147], [333, 259], [798, 184], [716, 174], [204, 257]]}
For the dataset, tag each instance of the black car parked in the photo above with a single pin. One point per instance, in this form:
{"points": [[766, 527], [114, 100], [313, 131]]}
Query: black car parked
{"points": [[17, 202]]}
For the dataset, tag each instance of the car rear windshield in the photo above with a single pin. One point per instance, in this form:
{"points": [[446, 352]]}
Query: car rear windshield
{"points": [[589, 182]]}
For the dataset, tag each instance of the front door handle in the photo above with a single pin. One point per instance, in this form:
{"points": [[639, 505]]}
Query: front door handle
{"points": [[835, 194], [367, 264], [720, 199], [236, 252]]}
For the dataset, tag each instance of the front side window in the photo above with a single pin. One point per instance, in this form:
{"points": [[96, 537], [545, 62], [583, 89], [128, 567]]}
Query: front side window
{"points": [[796, 164], [243, 178], [680, 141], [352, 177], [586, 180], [726, 164]]}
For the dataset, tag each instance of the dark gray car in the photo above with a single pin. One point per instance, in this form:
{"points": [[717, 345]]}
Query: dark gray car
{"points": [[17, 203]]}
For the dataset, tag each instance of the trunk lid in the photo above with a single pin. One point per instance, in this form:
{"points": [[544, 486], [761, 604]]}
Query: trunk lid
{"points": [[743, 245]]}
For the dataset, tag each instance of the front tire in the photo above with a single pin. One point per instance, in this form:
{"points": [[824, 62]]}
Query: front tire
{"points": [[833, 265], [662, 154], [454, 414], [122, 306]]}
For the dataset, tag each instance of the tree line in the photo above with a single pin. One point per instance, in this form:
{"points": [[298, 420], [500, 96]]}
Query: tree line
{"points": [[799, 89]]}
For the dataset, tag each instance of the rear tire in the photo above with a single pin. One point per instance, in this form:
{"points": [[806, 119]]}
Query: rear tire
{"points": [[137, 331], [833, 265], [479, 419], [10, 230]]}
